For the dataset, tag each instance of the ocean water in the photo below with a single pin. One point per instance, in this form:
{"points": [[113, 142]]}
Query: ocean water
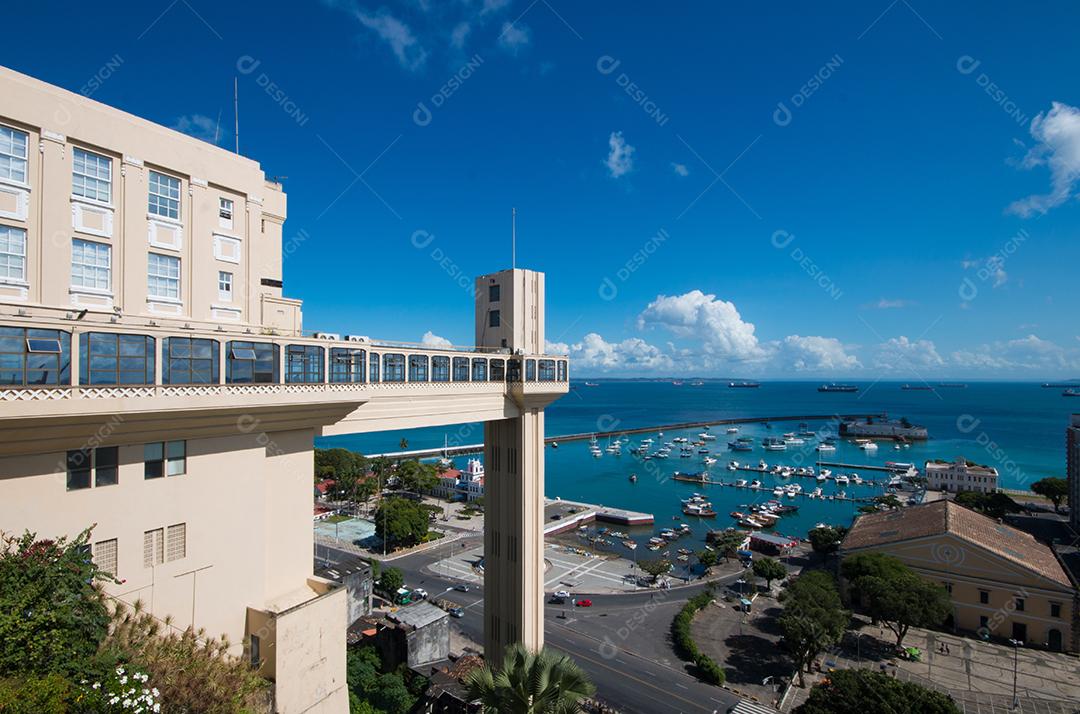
{"points": [[1016, 427]]}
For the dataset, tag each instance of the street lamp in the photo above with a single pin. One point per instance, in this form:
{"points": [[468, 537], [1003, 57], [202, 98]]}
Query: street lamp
{"points": [[1017, 644]]}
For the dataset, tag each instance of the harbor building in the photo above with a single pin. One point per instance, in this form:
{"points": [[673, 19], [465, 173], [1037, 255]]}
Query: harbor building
{"points": [[1003, 582], [883, 428], [960, 475], [157, 384], [1072, 464]]}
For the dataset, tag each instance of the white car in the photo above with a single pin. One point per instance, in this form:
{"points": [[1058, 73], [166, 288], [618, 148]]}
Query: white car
{"points": [[564, 594], [419, 593]]}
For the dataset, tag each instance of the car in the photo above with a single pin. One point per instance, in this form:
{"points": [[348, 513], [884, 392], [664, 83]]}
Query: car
{"points": [[419, 594], [461, 588], [562, 594], [584, 603], [556, 600], [456, 612]]}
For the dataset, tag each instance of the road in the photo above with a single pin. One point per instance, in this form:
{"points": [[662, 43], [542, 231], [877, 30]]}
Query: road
{"points": [[622, 641]]}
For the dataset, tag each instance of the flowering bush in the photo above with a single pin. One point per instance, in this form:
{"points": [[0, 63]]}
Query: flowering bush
{"points": [[125, 690]]}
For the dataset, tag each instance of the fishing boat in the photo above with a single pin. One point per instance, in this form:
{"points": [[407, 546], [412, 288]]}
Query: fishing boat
{"points": [[740, 445], [773, 444], [632, 545], [826, 446], [749, 522], [706, 436]]}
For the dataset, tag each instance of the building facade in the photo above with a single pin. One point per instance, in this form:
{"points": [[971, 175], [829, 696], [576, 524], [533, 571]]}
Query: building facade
{"points": [[157, 385], [1003, 583], [960, 475]]}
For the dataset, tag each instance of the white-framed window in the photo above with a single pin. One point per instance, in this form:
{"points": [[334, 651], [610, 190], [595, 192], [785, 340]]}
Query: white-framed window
{"points": [[13, 154], [12, 253], [164, 196], [91, 265], [91, 176], [224, 286], [225, 212], [163, 276]]}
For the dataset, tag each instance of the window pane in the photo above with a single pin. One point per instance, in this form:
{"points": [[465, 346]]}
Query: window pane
{"points": [[164, 195], [91, 265], [163, 276], [91, 176], [12, 253]]}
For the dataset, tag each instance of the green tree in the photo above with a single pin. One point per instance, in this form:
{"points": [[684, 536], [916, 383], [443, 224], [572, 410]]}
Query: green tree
{"points": [[895, 595], [855, 567], [530, 683], [1056, 489], [727, 543], [417, 477], [339, 464], [994, 505], [813, 619], [859, 691], [708, 558], [401, 522], [34, 694], [769, 569], [53, 615], [888, 500], [371, 691], [826, 539], [655, 568], [391, 580]]}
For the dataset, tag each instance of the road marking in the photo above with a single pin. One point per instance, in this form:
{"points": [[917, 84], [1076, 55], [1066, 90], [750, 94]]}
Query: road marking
{"points": [[683, 686]]}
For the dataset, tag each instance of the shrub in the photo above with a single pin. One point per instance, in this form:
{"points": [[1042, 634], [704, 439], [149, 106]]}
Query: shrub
{"points": [[708, 670], [33, 694]]}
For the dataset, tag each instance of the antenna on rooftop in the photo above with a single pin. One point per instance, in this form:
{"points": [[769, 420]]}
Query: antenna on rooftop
{"points": [[236, 112], [513, 238]]}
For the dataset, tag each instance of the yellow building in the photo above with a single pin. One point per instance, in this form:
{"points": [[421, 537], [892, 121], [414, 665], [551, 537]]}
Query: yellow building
{"points": [[1003, 582], [155, 381]]}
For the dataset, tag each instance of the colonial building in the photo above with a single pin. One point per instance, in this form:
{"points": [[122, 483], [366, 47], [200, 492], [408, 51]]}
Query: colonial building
{"points": [[467, 485], [156, 382], [1003, 582], [960, 475]]}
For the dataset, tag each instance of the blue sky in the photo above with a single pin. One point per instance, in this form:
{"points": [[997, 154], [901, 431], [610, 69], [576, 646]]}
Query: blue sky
{"points": [[839, 190]]}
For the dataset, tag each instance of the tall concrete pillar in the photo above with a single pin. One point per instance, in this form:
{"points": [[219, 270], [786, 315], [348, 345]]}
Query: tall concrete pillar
{"points": [[513, 533], [510, 325]]}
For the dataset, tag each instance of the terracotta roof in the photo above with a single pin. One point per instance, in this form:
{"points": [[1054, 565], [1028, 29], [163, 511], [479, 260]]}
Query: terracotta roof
{"points": [[940, 517]]}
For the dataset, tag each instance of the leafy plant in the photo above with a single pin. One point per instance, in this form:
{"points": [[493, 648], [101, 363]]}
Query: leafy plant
{"points": [[530, 683], [813, 619], [859, 691]]}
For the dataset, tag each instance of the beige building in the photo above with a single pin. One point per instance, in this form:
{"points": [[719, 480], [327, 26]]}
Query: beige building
{"points": [[960, 475], [155, 383], [1003, 582]]}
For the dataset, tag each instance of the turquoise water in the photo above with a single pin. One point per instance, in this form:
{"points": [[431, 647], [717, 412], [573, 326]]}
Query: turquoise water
{"points": [[1016, 427]]}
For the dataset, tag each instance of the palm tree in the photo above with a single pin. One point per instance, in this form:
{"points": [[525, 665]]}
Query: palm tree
{"points": [[531, 683]]}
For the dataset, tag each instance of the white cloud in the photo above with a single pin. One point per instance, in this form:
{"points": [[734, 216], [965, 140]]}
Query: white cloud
{"points": [[887, 304], [716, 323], [514, 37], [430, 339], [556, 348], [198, 126], [1029, 353], [992, 268], [594, 352], [680, 169], [620, 160], [902, 354], [1058, 135], [459, 34], [399, 36], [813, 354], [491, 6]]}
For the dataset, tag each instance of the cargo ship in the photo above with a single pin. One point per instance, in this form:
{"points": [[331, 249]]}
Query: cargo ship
{"points": [[917, 388], [838, 388], [743, 385]]}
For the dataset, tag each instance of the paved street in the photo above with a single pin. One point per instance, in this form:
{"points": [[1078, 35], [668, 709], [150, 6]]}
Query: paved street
{"points": [[622, 641]]}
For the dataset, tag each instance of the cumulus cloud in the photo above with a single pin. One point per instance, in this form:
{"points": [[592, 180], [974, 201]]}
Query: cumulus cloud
{"points": [[680, 169], [430, 339], [992, 269], [620, 159], [514, 37], [902, 354], [594, 352], [198, 126], [716, 323], [813, 354], [459, 34], [556, 348], [1057, 136]]}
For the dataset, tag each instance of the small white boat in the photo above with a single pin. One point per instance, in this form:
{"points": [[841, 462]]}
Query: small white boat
{"points": [[755, 484], [868, 446], [816, 493], [706, 436], [842, 480], [708, 461], [733, 466], [778, 492], [733, 430], [826, 446], [740, 483]]}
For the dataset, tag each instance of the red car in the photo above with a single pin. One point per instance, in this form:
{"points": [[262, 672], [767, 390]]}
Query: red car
{"points": [[584, 603]]}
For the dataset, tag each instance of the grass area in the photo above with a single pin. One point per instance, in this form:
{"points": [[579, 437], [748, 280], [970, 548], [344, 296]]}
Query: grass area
{"points": [[337, 519], [431, 536]]}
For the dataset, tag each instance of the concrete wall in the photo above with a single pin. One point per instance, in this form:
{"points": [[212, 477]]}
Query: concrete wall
{"points": [[429, 643]]}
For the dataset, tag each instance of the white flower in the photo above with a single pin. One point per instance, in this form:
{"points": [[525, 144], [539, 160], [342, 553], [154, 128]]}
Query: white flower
{"points": [[97, 685], [157, 707], [114, 700], [155, 691]]}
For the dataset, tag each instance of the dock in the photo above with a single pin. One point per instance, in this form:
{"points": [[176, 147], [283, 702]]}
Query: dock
{"points": [[561, 516], [863, 467], [478, 448]]}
